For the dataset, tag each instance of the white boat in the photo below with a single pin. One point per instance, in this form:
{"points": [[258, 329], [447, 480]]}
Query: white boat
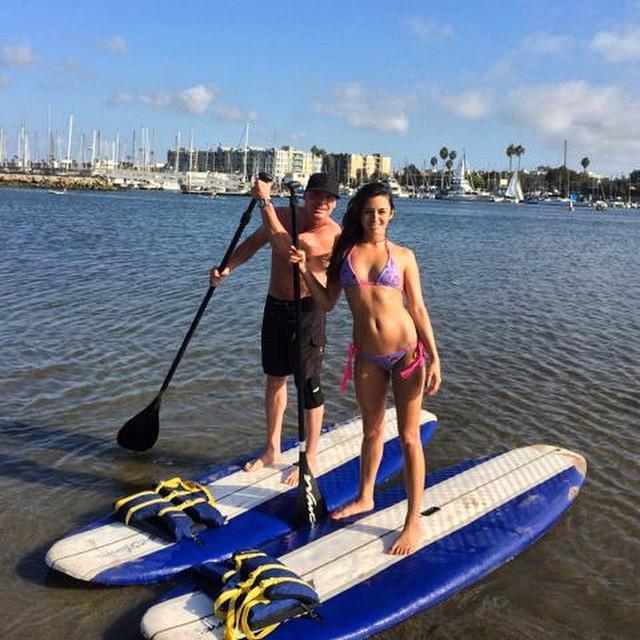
{"points": [[150, 185], [170, 184], [619, 204], [198, 190], [514, 189], [556, 201], [461, 189], [56, 192], [429, 192], [396, 190]]}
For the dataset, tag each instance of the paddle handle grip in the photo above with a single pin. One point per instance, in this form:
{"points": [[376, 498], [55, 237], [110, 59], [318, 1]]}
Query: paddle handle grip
{"points": [[244, 221]]}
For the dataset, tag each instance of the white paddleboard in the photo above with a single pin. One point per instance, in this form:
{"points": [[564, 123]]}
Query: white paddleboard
{"points": [[256, 504], [474, 521]]}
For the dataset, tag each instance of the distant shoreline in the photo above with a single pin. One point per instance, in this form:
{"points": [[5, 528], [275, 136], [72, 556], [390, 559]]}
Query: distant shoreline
{"points": [[57, 182]]}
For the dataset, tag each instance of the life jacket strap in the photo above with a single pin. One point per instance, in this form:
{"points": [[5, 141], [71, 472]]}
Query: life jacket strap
{"points": [[171, 496], [118, 504], [182, 506], [238, 598]]}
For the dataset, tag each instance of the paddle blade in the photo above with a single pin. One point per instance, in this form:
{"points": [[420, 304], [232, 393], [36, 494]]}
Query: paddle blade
{"points": [[141, 432], [310, 505]]}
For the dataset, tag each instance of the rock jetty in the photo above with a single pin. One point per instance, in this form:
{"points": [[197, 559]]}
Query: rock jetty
{"points": [[57, 182]]}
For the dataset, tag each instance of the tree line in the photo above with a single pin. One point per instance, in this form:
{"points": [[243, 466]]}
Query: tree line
{"points": [[560, 180]]}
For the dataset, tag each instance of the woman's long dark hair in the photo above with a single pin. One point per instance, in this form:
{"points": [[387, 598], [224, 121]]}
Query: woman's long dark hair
{"points": [[352, 232]]}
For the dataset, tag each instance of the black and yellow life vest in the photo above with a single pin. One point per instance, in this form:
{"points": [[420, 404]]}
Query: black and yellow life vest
{"points": [[174, 508], [258, 593]]}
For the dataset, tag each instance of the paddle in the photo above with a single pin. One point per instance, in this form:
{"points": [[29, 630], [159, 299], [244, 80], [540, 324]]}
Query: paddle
{"points": [[141, 432], [310, 505]]}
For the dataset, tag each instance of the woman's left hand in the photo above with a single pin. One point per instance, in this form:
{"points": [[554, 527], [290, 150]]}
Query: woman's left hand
{"points": [[433, 379]]}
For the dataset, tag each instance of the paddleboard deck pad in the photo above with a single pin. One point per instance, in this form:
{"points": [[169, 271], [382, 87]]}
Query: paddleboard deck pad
{"points": [[476, 516], [258, 505]]}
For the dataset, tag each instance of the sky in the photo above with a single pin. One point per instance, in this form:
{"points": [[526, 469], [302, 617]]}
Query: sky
{"points": [[401, 78]]}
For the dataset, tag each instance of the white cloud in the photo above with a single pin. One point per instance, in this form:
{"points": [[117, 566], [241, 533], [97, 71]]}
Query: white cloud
{"points": [[367, 108], [115, 44], [470, 103], [233, 114], [72, 67], [193, 100], [199, 99], [545, 43], [428, 31], [121, 98], [17, 55], [500, 70], [620, 46], [598, 118]]}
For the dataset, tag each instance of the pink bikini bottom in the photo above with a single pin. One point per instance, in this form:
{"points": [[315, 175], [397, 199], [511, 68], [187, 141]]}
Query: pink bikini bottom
{"points": [[385, 362]]}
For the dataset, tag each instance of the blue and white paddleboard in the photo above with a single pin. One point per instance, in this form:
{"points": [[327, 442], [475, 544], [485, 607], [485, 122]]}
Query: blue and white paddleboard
{"points": [[477, 516], [258, 505]]}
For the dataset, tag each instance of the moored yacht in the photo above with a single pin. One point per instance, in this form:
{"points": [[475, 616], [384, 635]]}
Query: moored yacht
{"points": [[396, 190], [461, 189]]}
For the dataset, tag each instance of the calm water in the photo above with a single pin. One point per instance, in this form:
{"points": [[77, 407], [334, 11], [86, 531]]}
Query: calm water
{"points": [[537, 315]]}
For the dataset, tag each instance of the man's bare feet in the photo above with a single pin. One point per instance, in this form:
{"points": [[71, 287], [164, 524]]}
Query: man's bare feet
{"points": [[360, 505], [292, 477], [408, 539], [262, 461]]}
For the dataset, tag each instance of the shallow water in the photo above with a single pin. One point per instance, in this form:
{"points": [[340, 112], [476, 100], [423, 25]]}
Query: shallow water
{"points": [[537, 315]]}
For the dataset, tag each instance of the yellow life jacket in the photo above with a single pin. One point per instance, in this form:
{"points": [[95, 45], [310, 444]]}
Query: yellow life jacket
{"points": [[258, 594], [174, 508]]}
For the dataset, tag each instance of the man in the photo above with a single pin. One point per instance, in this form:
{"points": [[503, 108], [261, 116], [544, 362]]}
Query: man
{"points": [[317, 233]]}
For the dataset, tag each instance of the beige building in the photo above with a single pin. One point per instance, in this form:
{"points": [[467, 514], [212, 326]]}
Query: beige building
{"points": [[357, 168], [288, 161]]}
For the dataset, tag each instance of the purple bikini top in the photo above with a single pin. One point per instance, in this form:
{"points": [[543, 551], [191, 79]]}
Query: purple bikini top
{"points": [[388, 277]]}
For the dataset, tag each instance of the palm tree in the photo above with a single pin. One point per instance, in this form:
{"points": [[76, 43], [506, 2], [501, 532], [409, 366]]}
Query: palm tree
{"points": [[444, 154], [519, 151], [434, 163], [449, 164], [511, 149], [585, 162], [452, 156]]}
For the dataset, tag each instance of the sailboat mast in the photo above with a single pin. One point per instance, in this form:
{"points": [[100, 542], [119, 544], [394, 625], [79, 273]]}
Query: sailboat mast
{"points": [[244, 163], [49, 140], [93, 148], [69, 135], [177, 152], [566, 170]]}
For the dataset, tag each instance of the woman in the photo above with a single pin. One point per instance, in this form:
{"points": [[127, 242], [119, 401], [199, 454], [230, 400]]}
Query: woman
{"points": [[393, 342]]}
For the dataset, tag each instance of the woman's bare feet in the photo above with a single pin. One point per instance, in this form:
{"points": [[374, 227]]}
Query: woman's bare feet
{"points": [[408, 539], [360, 505]]}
